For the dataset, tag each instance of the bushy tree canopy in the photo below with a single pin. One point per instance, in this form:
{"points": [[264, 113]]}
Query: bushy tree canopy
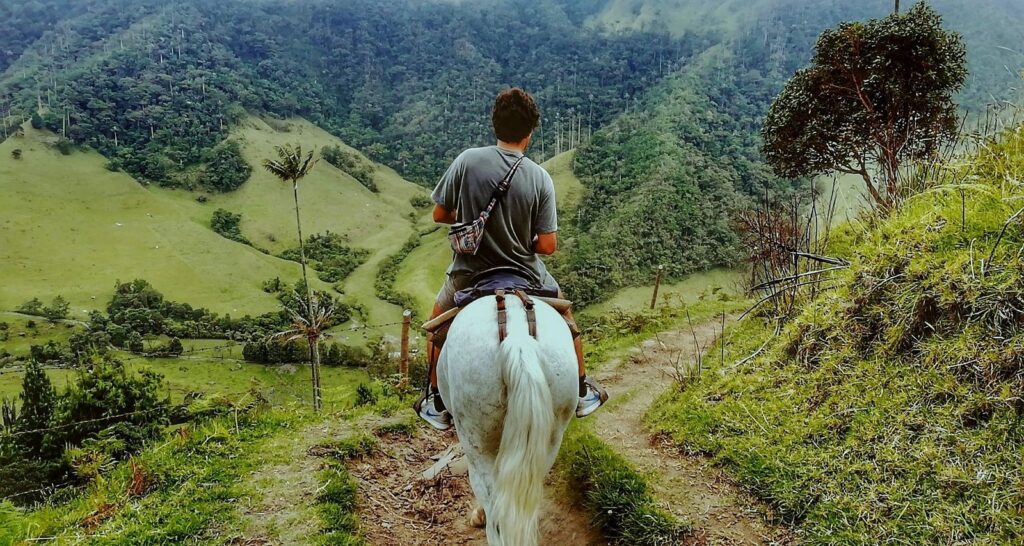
{"points": [[876, 94]]}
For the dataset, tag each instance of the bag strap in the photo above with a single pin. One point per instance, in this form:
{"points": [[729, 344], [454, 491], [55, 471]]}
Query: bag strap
{"points": [[502, 189]]}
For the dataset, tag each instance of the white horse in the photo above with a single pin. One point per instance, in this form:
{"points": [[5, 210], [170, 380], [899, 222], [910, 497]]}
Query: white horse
{"points": [[511, 403]]}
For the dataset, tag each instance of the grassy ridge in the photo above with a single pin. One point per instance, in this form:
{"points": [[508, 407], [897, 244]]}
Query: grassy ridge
{"points": [[889, 410], [617, 496]]}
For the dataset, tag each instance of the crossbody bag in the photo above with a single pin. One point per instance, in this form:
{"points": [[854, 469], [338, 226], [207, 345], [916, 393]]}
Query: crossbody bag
{"points": [[466, 237]]}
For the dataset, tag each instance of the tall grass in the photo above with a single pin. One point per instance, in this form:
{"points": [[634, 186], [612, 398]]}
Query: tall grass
{"points": [[889, 410]]}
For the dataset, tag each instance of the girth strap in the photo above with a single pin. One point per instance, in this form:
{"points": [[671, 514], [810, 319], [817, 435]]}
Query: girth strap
{"points": [[499, 297], [531, 315]]}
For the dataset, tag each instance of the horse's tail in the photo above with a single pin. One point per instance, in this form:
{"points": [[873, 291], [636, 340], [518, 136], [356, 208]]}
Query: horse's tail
{"points": [[523, 456]]}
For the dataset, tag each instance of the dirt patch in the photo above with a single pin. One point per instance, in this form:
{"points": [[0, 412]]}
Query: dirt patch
{"points": [[686, 486], [400, 507]]}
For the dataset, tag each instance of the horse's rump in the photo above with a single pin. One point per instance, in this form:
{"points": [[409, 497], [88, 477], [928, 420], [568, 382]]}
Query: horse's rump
{"points": [[511, 403]]}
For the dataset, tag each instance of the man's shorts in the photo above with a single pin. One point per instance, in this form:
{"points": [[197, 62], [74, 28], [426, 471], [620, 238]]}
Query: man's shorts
{"points": [[456, 282]]}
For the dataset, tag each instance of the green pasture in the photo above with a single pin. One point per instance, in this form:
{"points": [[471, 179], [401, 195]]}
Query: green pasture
{"points": [[210, 374], [713, 284], [69, 226]]}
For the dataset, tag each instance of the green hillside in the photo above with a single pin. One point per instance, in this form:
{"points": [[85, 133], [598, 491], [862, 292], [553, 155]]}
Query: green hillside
{"points": [[623, 81], [889, 409], [72, 227]]}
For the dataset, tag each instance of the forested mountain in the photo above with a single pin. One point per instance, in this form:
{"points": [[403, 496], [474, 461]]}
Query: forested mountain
{"points": [[664, 97], [407, 82], [667, 177]]}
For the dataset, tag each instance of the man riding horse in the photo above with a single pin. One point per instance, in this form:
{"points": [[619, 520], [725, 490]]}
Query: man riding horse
{"points": [[522, 227]]}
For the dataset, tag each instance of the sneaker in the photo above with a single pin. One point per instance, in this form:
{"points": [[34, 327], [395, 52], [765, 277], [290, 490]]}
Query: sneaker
{"points": [[426, 408], [596, 396]]}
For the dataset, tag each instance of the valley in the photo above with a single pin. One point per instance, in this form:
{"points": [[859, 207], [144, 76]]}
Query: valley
{"points": [[799, 379]]}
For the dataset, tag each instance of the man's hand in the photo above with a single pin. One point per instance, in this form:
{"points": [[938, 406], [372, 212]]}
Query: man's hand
{"points": [[545, 243], [443, 215]]}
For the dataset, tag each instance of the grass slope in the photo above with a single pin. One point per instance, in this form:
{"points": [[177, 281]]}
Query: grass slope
{"points": [[69, 226], [889, 410], [72, 227], [330, 200]]}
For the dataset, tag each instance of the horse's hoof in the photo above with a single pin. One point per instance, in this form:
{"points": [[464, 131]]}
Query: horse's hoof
{"points": [[477, 518]]}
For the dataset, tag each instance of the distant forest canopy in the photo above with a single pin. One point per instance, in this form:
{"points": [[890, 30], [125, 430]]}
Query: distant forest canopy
{"points": [[666, 178], [155, 86]]}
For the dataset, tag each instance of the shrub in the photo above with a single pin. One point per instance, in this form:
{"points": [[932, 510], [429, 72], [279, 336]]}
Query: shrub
{"points": [[346, 355], [365, 396], [104, 405], [352, 164], [272, 352], [31, 307], [330, 255], [64, 146], [225, 169], [421, 201], [273, 286], [51, 351], [58, 309], [228, 225]]}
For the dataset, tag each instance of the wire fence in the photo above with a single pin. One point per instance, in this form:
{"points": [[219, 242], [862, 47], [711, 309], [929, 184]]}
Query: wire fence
{"points": [[6, 434], [49, 489], [136, 357]]}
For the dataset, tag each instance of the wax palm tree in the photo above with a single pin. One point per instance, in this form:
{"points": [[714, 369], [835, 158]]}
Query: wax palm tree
{"points": [[312, 317]]}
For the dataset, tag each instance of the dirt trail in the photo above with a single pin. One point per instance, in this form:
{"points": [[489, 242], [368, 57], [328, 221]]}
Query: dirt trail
{"points": [[686, 486], [398, 506], [402, 508]]}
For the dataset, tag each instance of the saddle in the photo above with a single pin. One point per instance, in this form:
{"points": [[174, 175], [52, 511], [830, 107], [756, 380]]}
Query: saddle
{"points": [[437, 328]]}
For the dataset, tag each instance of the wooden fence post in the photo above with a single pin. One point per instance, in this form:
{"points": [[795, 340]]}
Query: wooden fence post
{"points": [[403, 366], [657, 283]]}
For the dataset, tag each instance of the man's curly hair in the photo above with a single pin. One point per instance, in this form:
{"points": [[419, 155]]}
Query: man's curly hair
{"points": [[515, 115]]}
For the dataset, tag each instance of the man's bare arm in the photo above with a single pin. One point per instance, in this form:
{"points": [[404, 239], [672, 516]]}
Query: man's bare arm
{"points": [[443, 215], [546, 243]]}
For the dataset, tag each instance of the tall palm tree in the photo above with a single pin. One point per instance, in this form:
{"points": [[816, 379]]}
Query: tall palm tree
{"points": [[309, 321]]}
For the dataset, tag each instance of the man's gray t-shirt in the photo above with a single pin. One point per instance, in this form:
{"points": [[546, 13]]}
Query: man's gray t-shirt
{"points": [[526, 210]]}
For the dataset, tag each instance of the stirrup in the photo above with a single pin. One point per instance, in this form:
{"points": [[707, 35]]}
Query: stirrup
{"points": [[595, 397], [427, 408]]}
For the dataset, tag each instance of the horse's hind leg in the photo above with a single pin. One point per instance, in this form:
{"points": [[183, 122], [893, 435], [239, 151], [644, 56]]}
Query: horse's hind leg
{"points": [[478, 517], [481, 478]]}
